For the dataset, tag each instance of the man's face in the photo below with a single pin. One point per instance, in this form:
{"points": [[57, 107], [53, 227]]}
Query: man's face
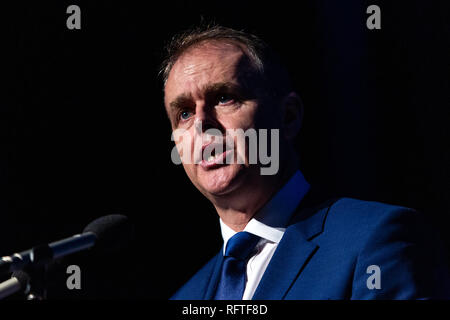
{"points": [[214, 85]]}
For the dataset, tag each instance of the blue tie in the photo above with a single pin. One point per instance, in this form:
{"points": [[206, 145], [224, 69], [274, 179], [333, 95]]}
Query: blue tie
{"points": [[233, 276]]}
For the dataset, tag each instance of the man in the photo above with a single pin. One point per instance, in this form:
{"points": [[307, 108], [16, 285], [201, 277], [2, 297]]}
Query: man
{"points": [[276, 246]]}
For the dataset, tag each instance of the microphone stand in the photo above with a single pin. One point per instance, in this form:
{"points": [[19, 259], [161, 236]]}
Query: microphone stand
{"points": [[41, 256], [38, 281], [34, 288]]}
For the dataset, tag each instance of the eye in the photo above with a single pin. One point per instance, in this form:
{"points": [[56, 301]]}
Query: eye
{"points": [[185, 115], [224, 98]]}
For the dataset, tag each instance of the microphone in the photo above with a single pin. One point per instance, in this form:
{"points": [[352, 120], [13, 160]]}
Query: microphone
{"points": [[20, 281], [108, 233]]}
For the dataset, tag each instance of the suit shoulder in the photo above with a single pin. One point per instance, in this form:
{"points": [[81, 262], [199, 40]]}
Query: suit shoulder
{"points": [[349, 209], [352, 205], [349, 218], [357, 219]]}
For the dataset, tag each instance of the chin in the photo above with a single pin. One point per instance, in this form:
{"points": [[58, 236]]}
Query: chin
{"points": [[220, 181]]}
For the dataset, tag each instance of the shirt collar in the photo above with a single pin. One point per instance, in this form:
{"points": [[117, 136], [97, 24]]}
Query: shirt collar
{"points": [[270, 222]]}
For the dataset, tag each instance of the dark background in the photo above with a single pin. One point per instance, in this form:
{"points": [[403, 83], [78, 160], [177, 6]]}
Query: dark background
{"points": [[84, 132]]}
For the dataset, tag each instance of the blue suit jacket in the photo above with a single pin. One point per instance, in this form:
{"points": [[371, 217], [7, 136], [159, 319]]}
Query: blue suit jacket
{"points": [[325, 254]]}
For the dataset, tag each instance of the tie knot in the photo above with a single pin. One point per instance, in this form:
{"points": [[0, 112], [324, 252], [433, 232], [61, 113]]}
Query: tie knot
{"points": [[241, 245]]}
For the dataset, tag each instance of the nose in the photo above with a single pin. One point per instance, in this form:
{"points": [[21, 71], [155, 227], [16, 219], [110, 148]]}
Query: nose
{"points": [[206, 118]]}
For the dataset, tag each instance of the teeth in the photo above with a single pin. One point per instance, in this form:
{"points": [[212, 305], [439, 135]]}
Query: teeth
{"points": [[212, 158]]}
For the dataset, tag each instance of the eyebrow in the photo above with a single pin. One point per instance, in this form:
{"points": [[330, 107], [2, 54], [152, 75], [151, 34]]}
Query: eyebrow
{"points": [[208, 90], [181, 101]]}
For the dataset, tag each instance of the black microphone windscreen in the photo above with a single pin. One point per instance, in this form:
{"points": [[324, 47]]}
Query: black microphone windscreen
{"points": [[113, 232], [22, 277]]}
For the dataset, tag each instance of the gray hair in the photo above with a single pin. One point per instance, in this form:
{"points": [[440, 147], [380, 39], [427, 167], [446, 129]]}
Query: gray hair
{"points": [[264, 61]]}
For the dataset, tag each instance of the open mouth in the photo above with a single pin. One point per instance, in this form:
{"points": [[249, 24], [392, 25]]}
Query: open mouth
{"points": [[214, 155]]}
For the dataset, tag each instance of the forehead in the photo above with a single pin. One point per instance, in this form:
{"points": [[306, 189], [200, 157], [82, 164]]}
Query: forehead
{"points": [[203, 65]]}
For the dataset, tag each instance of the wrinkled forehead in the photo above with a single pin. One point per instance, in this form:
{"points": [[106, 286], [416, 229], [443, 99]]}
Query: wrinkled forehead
{"points": [[219, 48], [205, 64]]}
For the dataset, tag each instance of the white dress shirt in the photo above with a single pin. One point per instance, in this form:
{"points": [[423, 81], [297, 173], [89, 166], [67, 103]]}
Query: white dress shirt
{"points": [[269, 224]]}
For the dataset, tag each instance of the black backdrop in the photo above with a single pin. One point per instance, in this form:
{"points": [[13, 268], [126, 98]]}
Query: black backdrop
{"points": [[84, 133]]}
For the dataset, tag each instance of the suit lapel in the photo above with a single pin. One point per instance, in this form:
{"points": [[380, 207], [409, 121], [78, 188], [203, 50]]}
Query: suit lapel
{"points": [[292, 255]]}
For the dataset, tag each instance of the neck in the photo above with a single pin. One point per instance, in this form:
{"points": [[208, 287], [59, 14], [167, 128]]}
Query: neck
{"points": [[239, 207]]}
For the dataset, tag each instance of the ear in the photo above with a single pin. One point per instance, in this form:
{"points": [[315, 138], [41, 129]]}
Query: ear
{"points": [[292, 107]]}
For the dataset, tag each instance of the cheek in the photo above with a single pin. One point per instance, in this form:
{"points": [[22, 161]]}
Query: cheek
{"points": [[190, 171], [183, 142], [244, 118]]}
